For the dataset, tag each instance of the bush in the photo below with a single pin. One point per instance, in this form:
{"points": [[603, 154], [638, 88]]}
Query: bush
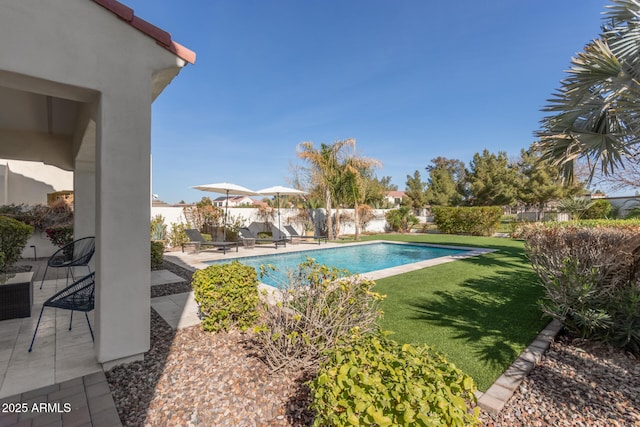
{"points": [[591, 278], [318, 306], [401, 219], [60, 235], [13, 238], [227, 295], [40, 217], [599, 209], [476, 221], [372, 380], [158, 228], [157, 249], [177, 236]]}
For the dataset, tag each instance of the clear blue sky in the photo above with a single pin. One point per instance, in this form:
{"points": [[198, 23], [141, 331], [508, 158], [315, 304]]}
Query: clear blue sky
{"points": [[410, 80]]}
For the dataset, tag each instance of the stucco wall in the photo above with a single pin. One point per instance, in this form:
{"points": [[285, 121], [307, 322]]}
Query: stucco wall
{"points": [[29, 182]]}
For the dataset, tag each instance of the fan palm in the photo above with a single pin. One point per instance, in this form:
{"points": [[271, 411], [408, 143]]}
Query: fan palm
{"points": [[596, 112]]}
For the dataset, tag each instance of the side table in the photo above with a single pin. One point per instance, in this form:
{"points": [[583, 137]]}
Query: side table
{"points": [[16, 295]]}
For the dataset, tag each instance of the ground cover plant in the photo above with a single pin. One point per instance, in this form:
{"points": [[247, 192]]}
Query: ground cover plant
{"points": [[479, 312]]}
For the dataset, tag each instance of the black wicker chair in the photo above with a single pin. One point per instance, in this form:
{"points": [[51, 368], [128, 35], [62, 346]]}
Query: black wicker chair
{"points": [[76, 254], [79, 296]]}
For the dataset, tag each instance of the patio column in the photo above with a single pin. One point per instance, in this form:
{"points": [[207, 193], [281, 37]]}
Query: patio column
{"points": [[122, 221], [84, 199]]}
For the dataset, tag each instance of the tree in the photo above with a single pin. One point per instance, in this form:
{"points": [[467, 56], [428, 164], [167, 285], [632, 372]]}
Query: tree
{"points": [[446, 183], [595, 115], [492, 180], [415, 191], [540, 181], [324, 171], [356, 171]]}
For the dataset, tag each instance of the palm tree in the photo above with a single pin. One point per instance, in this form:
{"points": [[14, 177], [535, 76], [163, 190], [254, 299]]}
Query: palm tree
{"points": [[355, 178], [596, 113], [324, 170]]}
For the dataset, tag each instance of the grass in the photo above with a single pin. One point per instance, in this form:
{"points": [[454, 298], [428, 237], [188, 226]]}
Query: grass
{"points": [[480, 312]]}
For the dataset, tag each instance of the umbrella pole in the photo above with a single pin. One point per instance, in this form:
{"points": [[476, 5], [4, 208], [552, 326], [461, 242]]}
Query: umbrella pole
{"points": [[279, 228], [224, 226]]}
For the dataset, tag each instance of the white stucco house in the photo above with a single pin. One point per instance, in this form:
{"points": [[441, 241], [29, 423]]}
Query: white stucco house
{"points": [[77, 79]]}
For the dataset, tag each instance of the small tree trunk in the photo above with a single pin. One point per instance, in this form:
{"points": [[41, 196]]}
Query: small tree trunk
{"points": [[357, 220], [327, 199]]}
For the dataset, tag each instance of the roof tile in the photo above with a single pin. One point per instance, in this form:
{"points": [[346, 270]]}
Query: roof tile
{"points": [[161, 37]]}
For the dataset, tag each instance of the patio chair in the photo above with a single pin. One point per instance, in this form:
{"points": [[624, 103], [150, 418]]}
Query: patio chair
{"points": [[79, 296], [197, 239], [293, 234], [246, 234], [76, 254]]}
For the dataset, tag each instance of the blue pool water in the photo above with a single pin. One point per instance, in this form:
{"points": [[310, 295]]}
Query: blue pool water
{"points": [[354, 258]]}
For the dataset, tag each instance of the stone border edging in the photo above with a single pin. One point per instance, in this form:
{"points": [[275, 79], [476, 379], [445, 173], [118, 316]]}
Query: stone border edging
{"points": [[494, 399]]}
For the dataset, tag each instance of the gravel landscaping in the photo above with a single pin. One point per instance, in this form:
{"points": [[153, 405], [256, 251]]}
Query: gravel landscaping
{"points": [[190, 377]]}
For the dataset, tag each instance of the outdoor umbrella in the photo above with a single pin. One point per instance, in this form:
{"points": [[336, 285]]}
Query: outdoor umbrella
{"points": [[228, 189], [277, 191]]}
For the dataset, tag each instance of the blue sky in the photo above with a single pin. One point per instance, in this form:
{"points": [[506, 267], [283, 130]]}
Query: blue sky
{"points": [[410, 80]]}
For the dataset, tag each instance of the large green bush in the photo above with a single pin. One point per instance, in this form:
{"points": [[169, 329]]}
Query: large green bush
{"points": [[13, 238], [599, 209], [374, 381], [401, 219], [591, 277], [177, 235], [157, 249], [476, 221], [316, 308], [227, 295]]}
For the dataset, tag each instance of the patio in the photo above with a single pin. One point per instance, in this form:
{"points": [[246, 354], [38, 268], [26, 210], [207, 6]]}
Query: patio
{"points": [[58, 354]]}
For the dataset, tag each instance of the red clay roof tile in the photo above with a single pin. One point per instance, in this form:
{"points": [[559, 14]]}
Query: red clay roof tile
{"points": [[161, 37]]}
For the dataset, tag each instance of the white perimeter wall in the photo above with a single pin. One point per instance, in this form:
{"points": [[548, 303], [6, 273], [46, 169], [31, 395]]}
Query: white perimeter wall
{"points": [[250, 218]]}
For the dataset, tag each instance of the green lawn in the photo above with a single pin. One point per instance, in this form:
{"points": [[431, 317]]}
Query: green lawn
{"points": [[480, 312]]}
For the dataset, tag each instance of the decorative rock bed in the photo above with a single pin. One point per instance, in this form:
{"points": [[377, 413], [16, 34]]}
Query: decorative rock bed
{"points": [[190, 377]]}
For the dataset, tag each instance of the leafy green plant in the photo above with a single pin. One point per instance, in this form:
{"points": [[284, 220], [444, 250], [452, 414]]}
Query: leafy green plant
{"points": [[157, 249], [476, 221], [13, 238], [599, 209], [316, 308], [158, 228], [177, 236], [401, 219], [227, 295], [374, 381], [60, 235]]}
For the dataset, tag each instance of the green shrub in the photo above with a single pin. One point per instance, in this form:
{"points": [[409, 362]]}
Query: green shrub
{"points": [[318, 306], [40, 217], [401, 219], [227, 295], [158, 228], [599, 209], [374, 381], [591, 278], [157, 249], [177, 236], [60, 235], [476, 221], [13, 238]]}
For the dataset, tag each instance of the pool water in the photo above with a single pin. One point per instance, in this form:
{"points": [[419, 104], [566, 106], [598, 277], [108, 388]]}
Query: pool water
{"points": [[354, 258]]}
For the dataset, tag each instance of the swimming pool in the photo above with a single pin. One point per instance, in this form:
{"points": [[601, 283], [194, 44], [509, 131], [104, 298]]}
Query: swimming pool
{"points": [[361, 258]]}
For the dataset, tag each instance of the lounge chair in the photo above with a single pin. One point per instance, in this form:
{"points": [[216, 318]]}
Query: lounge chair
{"points": [[246, 234], [196, 239], [79, 296], [293, 234], [76, 254]]}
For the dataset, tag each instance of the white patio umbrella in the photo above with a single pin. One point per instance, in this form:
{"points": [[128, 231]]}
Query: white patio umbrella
{"points": [[228, 189], [277, 191]]}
